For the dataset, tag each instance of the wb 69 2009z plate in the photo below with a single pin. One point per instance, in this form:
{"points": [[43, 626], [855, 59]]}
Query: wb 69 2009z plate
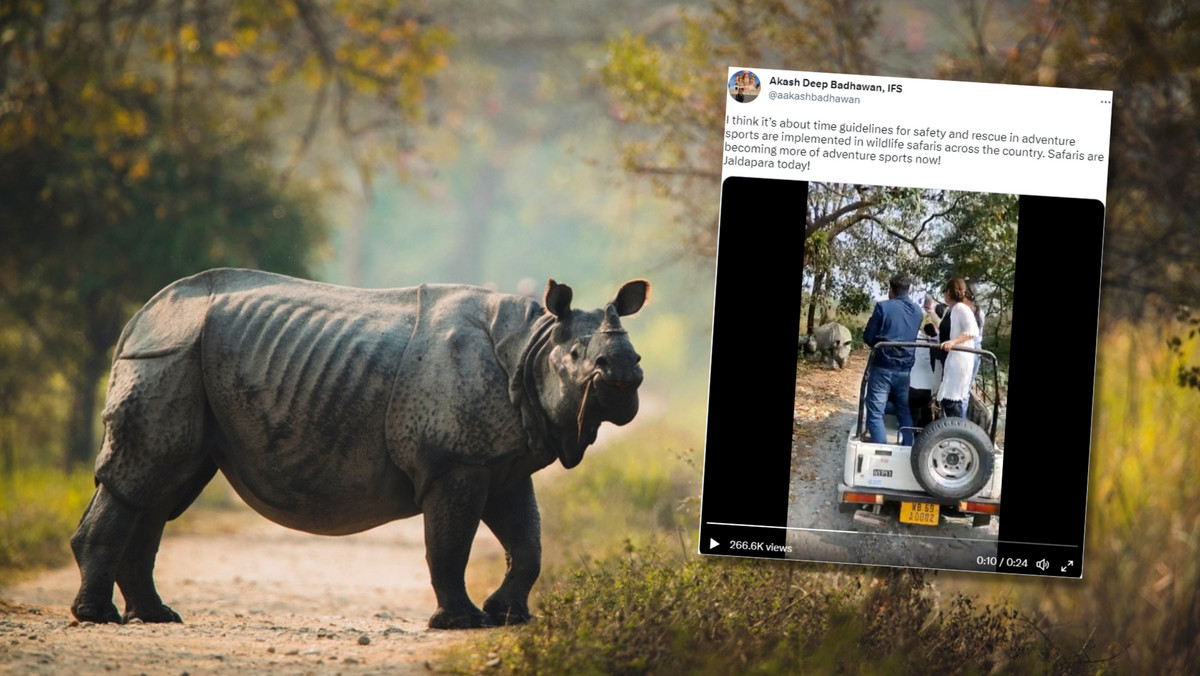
{"points": [[920, 513]]}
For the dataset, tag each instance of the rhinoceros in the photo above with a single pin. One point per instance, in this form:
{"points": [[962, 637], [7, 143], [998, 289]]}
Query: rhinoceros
{"points": [[833, 342], [332, 410]]}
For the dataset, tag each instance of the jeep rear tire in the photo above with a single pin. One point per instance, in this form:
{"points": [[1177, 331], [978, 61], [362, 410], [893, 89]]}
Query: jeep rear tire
{"points": [[952, 458]]}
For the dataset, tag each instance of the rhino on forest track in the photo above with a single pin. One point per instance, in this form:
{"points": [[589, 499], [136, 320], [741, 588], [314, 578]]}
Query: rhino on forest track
{"points": [[333, 410], [833, 341]]}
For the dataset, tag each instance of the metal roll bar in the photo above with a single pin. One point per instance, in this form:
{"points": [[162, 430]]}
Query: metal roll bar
{"points": [[862, 392]]}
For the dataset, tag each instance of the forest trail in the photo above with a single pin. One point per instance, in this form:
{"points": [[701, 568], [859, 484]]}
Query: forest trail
{"points": [[825, 412], [255, 597]]}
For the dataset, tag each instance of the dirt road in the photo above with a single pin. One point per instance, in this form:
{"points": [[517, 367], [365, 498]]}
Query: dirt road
{"points": [[260, 598], [826, 411]]}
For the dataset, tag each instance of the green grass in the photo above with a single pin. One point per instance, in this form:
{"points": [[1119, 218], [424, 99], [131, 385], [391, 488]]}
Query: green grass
{"points": [[39, 509], [640, 488], [646, 612]]}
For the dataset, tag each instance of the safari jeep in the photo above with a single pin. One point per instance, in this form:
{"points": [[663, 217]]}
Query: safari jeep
{"points": [[954, 466]]}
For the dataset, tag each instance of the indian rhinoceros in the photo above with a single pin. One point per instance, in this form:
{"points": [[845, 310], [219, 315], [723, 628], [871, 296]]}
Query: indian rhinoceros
{"points": [[333, 410], [833, 341]]}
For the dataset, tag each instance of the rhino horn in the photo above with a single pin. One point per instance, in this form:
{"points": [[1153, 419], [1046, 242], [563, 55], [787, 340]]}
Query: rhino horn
{"points": [[558, 299], [612, 319]]}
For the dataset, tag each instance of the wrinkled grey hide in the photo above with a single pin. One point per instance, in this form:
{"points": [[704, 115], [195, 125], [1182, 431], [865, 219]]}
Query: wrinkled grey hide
{"points": [[833, 342], [332, 410]]}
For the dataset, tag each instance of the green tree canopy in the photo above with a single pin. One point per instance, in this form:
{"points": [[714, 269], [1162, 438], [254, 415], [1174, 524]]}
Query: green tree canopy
{"points": [[862, 235], [1148, 54], [142, 141]]}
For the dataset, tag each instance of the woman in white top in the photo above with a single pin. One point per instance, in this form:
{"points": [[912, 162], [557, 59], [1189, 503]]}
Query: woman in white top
{"points": [[960, 366]]}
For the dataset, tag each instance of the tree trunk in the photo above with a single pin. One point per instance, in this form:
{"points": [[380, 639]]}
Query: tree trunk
{"points": [[81, 437], [817, 294], [8, 444]]}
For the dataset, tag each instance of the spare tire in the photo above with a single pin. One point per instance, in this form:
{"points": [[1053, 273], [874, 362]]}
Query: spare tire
{"points": [[952, 458]]}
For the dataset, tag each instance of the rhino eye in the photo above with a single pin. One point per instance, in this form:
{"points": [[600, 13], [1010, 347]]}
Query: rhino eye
{"points": [[575, 352]]}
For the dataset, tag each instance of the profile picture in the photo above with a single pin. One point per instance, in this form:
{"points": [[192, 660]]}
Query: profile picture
{"points": [[744, 86]]}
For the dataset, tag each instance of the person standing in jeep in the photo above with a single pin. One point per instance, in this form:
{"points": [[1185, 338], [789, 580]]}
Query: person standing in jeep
{"points": [[960, 368], [896, 319]]}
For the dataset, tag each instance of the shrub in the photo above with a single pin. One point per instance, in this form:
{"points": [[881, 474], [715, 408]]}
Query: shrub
{"points": [[642, 613], [39, 509]]}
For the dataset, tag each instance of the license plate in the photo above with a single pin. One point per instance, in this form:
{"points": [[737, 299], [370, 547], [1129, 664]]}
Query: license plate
{"points": [[920, 513]]}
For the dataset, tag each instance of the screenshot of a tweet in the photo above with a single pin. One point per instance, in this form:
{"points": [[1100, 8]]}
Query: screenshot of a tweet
{"points": [[904, 331]]}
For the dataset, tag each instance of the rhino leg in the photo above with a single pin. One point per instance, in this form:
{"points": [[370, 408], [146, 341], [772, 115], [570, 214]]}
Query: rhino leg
{"points": [[453, 506], [153, 464], [118, 543], [513, 518], [99, 544], [135, 574]]}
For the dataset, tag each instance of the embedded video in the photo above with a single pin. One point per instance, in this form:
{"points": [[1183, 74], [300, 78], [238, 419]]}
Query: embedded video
{"points": [[911, 432], [899, 218]]}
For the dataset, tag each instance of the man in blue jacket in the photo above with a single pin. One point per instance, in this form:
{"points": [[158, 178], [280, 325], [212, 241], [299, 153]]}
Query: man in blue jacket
{"points": [[896, 319]]}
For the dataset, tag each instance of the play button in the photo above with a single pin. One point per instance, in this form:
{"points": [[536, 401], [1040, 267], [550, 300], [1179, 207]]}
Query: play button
{"points": [[713, 544]]}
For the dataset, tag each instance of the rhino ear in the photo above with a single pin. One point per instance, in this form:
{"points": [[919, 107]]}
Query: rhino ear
{"points": [[558, 299], [631, 297]]}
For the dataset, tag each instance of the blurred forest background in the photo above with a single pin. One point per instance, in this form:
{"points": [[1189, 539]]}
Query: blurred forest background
{"points": [[391, 142]]}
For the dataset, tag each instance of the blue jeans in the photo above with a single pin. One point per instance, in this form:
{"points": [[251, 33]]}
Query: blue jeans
{"points": [[881, 384]]}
